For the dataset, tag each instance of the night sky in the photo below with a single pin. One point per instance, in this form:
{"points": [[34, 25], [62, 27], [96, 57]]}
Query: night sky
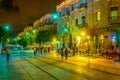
{"points": [[19, 13]]}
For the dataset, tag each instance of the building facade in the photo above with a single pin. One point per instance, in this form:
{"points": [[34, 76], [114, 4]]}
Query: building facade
{"points": [[89, 23], [48, 22], [45, 22]]}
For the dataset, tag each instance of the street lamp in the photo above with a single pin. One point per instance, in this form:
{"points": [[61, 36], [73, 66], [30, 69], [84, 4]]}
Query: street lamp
{"points": [[82, 33], [65, 30], [55, 16], [27, 33], [33, 31], [79, 38], [7, 27]]}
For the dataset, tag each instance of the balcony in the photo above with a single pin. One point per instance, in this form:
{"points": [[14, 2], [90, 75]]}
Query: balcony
{"points": [[114, 19], [83, 25], [82, 5]]}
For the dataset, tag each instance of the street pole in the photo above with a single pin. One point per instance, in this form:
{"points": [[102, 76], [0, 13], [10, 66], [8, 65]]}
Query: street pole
{"points": [[1, 47], [70, 35]]}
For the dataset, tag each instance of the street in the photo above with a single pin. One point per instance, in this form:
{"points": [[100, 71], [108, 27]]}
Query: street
{"points": [[50, 66]]}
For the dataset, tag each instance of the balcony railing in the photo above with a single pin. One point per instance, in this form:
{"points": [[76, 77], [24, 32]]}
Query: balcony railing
{"points": [[83, 5], [114, 19]]}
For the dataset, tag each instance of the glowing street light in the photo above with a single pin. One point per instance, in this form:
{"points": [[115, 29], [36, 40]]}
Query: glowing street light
{"points": [[27, 33], [65, 30], [83, 33], [88, 37], [79, 38], [54, 16], [33, 31], [7, 27]]}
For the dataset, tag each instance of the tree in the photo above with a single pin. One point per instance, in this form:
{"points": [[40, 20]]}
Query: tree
{"points": [[2, 32], [22, 42], [44, 36]]}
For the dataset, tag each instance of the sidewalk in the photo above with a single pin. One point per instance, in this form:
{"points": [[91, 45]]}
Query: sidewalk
{"points": [[99, 61], [99, 64]]}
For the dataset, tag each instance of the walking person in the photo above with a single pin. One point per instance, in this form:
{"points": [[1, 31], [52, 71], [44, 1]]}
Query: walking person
{"points": [[73, 51], [35, 51], [48, 49], [8, 53], [66, 53], [62, 53]]}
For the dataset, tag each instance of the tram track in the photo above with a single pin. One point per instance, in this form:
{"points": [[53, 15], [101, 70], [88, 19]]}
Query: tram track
{"points": [[85, 66], [21, 65], [37, 58], [68, 70], [82, 61], [52, 76]]}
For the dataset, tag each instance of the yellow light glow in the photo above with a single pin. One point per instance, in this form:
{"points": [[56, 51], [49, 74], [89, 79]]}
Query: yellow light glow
{"points": [[54, 40], [88, 37], [83, 33], [102, 37], [79, 38]]}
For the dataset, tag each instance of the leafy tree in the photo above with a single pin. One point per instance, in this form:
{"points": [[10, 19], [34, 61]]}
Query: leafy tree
{"points": [[44, 36], [22, 42], [4, 34]]}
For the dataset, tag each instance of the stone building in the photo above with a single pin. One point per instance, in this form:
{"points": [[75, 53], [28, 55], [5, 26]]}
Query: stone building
{"points": [[93, 23]]}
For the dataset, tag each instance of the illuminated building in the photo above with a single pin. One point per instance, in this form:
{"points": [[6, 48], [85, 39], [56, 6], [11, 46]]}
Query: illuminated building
{"points": [[100, 19]]}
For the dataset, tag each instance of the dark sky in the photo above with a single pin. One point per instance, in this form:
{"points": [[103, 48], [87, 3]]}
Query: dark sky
{"points": [[18, 13]]}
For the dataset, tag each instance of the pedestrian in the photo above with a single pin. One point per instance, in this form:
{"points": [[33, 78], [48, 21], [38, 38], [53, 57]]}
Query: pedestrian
{"points": [[66, 53], [73, 51], [62, 53], [48, 49], [35, 51], [8, 53], [41, 50]]}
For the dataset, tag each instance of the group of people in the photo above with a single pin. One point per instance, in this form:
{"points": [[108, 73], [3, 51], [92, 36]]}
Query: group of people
{"points": [[41, 50], [66, 51]]}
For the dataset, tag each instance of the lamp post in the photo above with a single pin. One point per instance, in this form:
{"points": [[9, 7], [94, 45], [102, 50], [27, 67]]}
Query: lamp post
{"points": [[79, 43], [83, 36]]}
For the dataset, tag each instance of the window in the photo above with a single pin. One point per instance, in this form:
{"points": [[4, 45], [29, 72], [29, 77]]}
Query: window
{"points": [[98, 16], [77, 6], [48, 21], [114, 14], [60, 13], [63, 12], [96, 0], [72, 6], [76, 22], [83, 20], [67, 11], [83, 1]]}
